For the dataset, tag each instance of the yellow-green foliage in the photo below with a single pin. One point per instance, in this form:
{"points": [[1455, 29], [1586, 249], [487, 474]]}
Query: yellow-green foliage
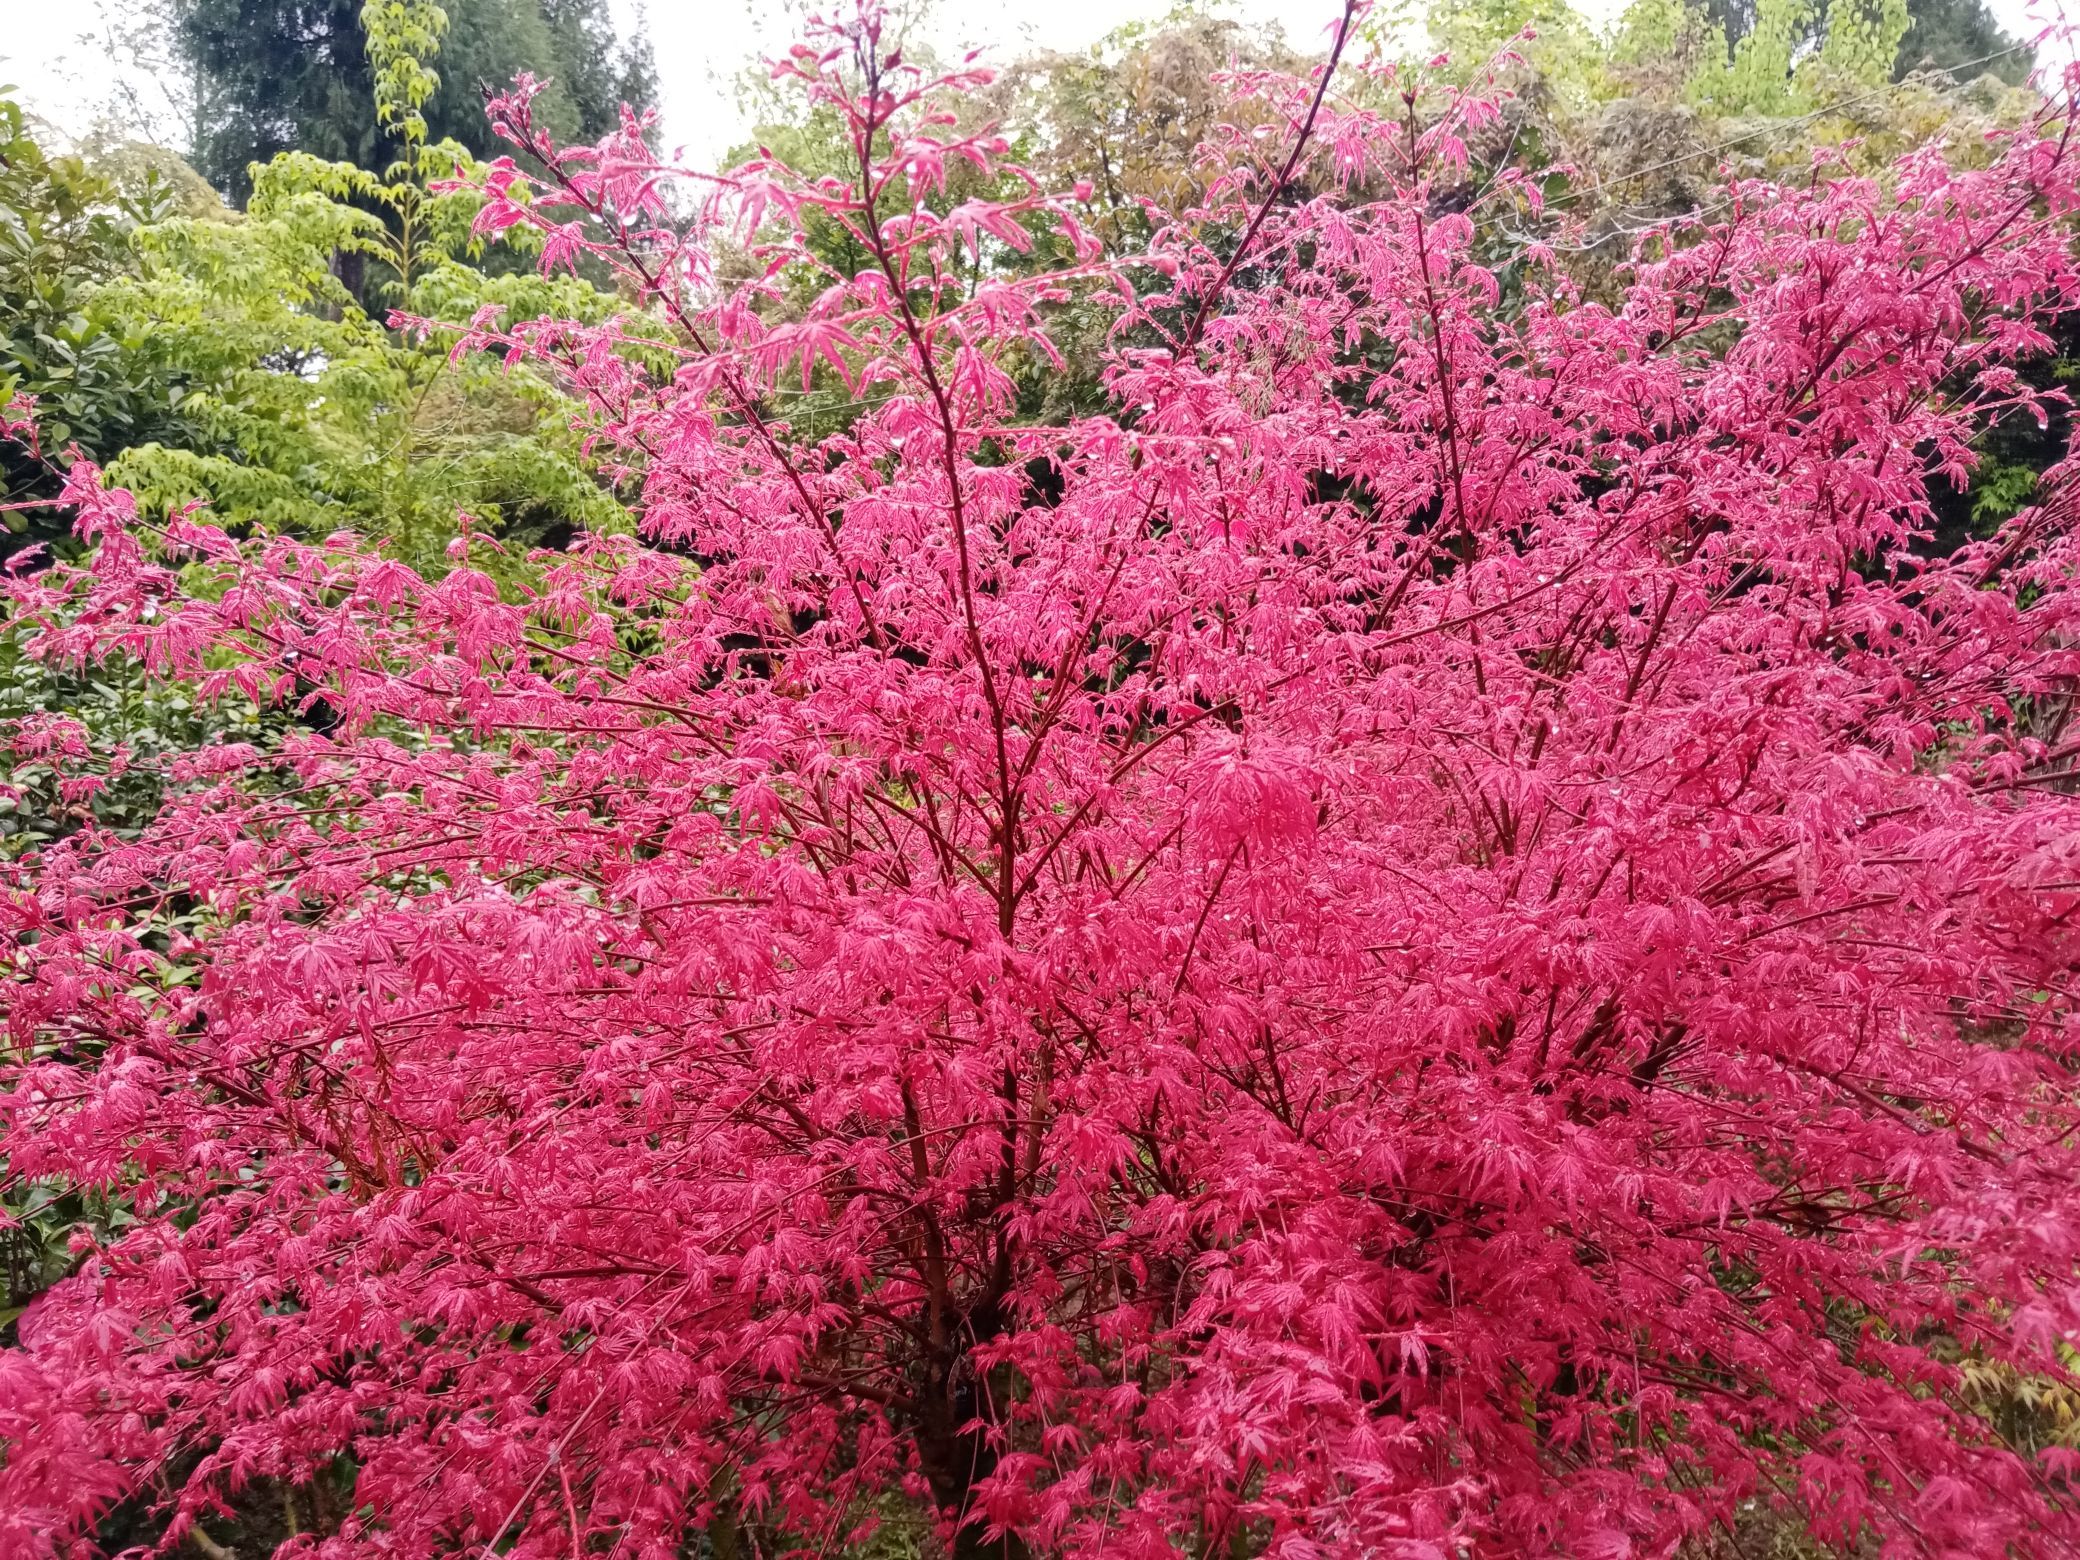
{"points": [[1790, 63], [1638, 119], [315, 417], [1793, 59], [2030, 1412], [306, 411], [1567, 55], [1860, 46], [403, 37], [1651, 33]]}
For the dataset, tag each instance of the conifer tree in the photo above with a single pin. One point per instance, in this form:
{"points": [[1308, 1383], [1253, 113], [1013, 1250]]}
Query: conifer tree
{"points": [[283, 75]]}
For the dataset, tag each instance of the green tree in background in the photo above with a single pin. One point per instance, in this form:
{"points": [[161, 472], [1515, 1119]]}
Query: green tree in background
{"points": [[209, 355], [65, 234], [214, 356], [1125, 115], [1631, 125], [1948, 33], [280, 75]]}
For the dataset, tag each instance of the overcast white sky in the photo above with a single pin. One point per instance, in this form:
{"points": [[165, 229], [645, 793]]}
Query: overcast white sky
{"points": [[62, 54]]}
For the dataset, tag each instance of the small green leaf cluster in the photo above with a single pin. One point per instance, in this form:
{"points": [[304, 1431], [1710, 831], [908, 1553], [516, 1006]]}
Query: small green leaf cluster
{"points": [[65, 231]]}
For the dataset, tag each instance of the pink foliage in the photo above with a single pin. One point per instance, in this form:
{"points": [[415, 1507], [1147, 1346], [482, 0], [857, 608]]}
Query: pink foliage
{"points": [[1447, 933]]}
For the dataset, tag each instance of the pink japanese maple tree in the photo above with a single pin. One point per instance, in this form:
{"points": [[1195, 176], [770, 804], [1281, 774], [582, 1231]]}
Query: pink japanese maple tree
{"points": [[1448, 933]]}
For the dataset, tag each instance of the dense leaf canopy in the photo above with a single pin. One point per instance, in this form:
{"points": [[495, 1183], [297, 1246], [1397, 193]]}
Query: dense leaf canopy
{"points": [[1444, 930], [272, 76]]}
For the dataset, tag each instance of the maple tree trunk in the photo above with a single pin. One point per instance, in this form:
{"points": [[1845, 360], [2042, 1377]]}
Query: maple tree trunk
{"points": [[955, 1461]]}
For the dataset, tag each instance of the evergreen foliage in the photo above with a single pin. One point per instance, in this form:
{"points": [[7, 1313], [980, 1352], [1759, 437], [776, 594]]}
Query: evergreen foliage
{"points": [[292, 75]]}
